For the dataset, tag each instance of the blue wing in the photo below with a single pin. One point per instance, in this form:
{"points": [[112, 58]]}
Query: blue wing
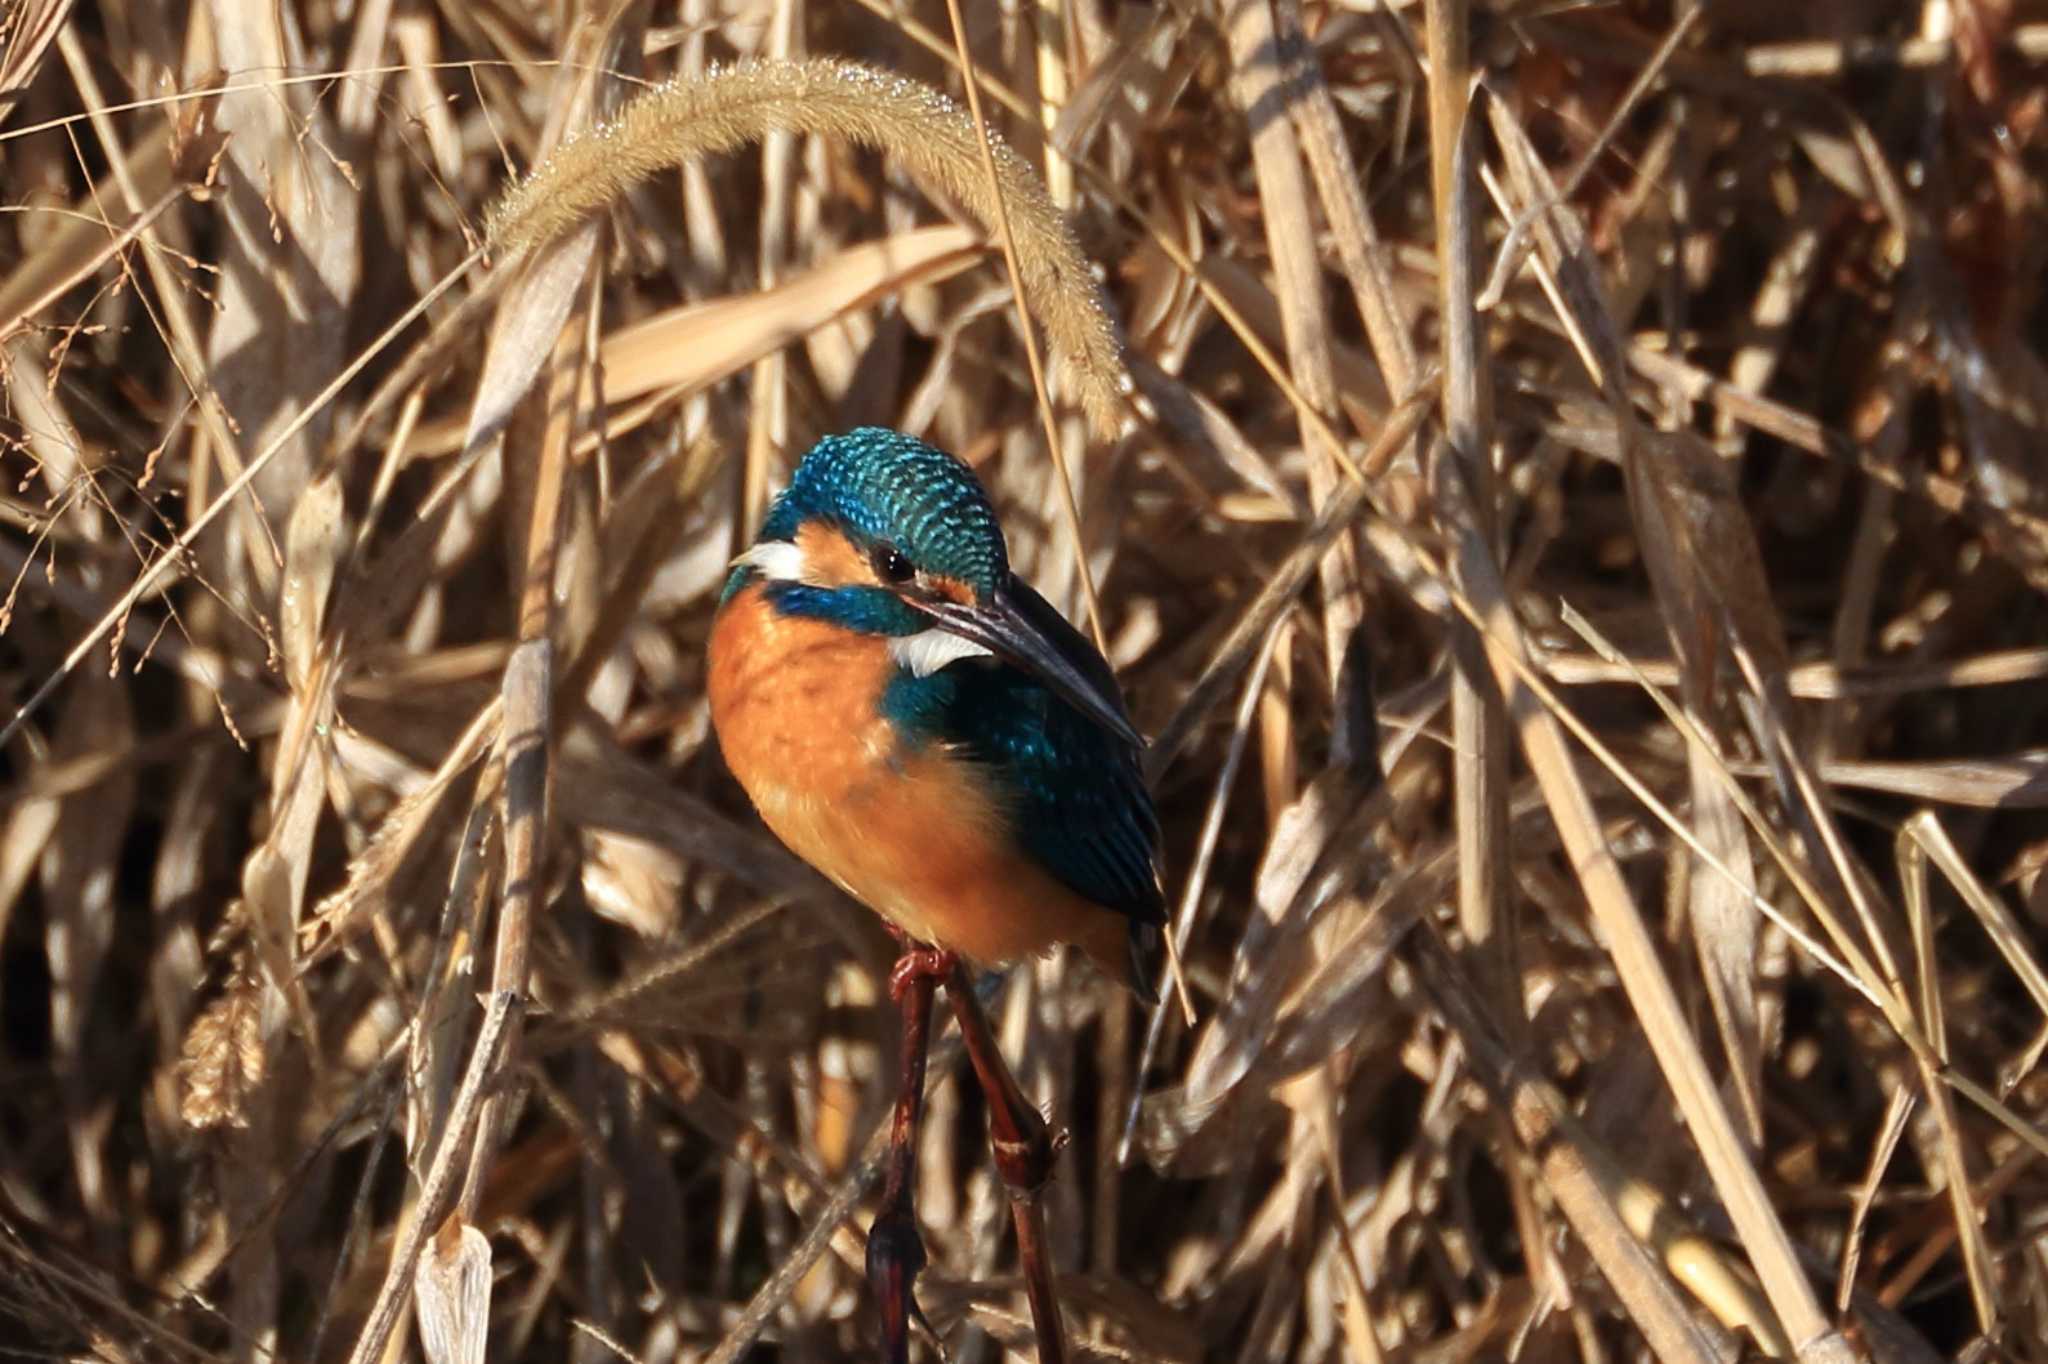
{"points": [[1081, 807], [1076, 791]]}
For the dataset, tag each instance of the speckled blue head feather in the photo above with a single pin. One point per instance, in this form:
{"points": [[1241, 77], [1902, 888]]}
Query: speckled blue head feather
{"points": [[881, 485]]}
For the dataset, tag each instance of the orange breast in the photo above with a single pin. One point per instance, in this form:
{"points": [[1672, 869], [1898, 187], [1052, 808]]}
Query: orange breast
{"points": [[913, 833]]}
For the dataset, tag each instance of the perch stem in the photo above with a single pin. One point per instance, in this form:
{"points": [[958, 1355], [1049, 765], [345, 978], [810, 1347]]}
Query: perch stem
{"points": [[1024, 1149]]}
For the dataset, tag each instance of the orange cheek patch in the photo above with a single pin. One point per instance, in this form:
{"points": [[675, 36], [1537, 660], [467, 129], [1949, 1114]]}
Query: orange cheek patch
{"points": [[830, 560], [952, 589]]}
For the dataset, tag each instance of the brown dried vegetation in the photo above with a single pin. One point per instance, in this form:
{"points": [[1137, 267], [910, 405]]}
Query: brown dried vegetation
{"points": [[1649, 397]]}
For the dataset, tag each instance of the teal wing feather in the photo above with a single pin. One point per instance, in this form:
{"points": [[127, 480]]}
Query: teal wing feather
{"points": [[1078, 797], [1075, 791]]}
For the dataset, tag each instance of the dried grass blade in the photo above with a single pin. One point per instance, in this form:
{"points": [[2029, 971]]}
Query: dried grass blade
{"points": [[1320, 845], [2005, 931], [1465, 507], [1198, 870], [1586, 1182], [366, 889], [1886, 993], [289, 257], [1853, 968], [1897, 1109], [276, 875], [696, 345], [1726, 928], [548, 294], [1264, 76], [1200, 423], [1977, 1259], [29, 32], [2019, 782], [452, 1294], [436, 1032], [1704, 566], [1340, 188], [439, 1186], [1648, 987], [1235, 651]]}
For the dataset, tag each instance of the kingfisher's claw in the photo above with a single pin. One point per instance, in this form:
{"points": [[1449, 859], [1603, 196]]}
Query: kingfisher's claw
{"points": [[919, 963]]}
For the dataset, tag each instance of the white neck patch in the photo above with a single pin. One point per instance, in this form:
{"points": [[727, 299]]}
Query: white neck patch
{"points": [[927, 651], [776, 560]]}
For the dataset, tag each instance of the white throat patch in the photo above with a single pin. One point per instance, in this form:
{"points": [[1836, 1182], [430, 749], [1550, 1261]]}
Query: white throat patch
{"points": [[927, 651]]}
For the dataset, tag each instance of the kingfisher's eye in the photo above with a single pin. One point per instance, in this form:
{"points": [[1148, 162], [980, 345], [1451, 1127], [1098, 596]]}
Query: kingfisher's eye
{"points": [[890, 565]]}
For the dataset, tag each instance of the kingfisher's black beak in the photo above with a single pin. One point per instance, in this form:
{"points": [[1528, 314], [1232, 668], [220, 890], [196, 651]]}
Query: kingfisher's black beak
{"points": [[1020, 627]]}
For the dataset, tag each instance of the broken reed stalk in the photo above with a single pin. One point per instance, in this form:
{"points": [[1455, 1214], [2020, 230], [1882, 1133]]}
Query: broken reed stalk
{"points": [[1478, 718], [935, 140]]}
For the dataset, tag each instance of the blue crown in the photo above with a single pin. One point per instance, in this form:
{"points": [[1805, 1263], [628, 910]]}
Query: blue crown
{"points": [[882, 486]]}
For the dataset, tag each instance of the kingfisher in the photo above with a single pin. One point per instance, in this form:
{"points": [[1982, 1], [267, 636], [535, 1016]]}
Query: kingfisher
{"points": [[917, 723]]}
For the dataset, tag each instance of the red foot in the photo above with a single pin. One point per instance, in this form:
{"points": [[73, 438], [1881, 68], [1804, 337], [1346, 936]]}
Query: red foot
{"points": [[919, 962]]}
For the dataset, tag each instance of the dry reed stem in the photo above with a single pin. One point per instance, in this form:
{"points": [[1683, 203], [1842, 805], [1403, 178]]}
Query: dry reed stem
{"points": [[1641, 973], [1914, 852], [1586, 1181], [1465, 505], [1054, 446], [438, 1190], [1265, 74], [1888, 992], [1853, 645], [545, 295], [1697, 575]]}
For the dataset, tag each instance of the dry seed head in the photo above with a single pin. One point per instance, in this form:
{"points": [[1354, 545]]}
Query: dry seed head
{"points": [[730, 106], [223, 1059]]}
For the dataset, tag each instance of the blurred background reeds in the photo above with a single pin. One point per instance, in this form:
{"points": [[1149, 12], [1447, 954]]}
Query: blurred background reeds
{"points": [[1577, 530]]}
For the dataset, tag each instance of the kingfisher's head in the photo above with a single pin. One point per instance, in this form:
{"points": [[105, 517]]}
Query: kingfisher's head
{"points": [[881, 534]]}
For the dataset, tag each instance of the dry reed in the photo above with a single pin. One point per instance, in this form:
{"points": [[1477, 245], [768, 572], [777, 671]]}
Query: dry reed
{"points": [[1606, 837]]}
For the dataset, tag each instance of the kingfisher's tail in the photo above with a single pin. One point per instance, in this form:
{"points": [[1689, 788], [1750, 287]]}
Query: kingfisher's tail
{"points": [[1148, 957], [1129, 952]]}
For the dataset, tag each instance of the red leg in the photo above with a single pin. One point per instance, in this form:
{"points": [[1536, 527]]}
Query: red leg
{"points": [[1024, 1150], [895, 1247]]}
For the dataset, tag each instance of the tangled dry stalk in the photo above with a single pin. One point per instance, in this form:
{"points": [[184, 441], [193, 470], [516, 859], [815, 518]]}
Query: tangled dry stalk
{"points": [[1577, 533]]}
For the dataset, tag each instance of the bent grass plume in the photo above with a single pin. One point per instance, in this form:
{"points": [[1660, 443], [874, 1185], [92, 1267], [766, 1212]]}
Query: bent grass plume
{"points": [[731, 106]]}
